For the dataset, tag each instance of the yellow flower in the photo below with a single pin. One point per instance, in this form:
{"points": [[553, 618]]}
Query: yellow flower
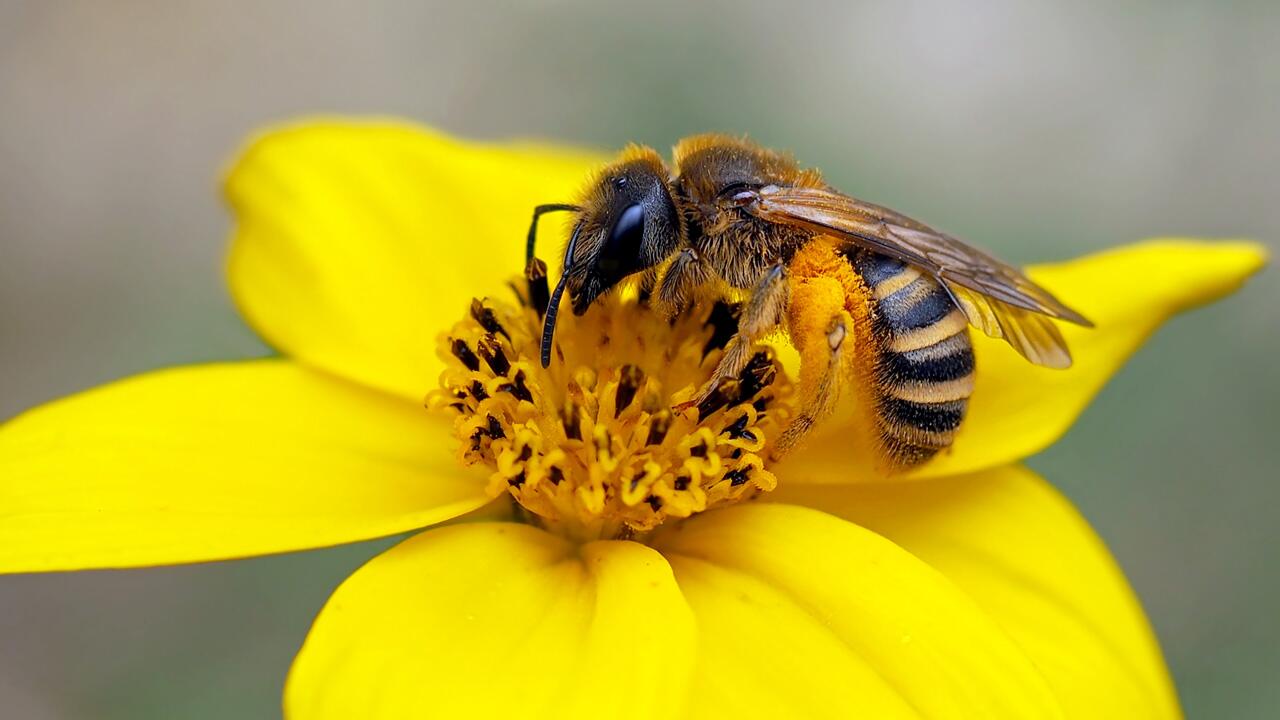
{"points": [[974, 590]]}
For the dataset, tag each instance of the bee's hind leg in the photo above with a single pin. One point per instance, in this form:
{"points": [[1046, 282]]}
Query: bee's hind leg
{"points": [[820, 328], [821, 367], [762, 312]]}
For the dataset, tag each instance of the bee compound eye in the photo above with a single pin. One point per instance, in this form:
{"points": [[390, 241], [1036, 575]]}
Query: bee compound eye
{"points": [[621, 250]]}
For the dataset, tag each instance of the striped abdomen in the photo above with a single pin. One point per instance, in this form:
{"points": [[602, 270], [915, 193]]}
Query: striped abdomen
{"points": [[924, 370]]}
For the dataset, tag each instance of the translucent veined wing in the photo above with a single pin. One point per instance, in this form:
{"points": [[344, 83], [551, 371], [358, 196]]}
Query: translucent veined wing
{"points": [[1033, 335], [996, 298]]}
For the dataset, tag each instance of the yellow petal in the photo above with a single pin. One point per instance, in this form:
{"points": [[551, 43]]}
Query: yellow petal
{"points": [[764, 655], [1017, 408], [356, 243], [1021, 551], [220, 461], [801, 614], [498, 620]]}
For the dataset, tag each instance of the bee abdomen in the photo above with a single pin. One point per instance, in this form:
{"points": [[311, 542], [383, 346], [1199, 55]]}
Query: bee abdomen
{"points": [[923, 373]]}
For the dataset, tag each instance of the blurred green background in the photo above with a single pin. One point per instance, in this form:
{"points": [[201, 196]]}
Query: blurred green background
{"points": [[1038, 130]]}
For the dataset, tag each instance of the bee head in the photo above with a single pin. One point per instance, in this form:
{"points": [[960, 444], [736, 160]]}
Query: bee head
{"points": [[628, 223]]}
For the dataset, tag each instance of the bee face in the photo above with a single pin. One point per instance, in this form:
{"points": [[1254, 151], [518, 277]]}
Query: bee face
{"points": [[628, 224]]}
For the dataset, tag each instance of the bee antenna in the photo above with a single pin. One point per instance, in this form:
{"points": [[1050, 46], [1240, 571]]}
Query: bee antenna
{"points": [[538, 212], [549, 324], [553, 305]]}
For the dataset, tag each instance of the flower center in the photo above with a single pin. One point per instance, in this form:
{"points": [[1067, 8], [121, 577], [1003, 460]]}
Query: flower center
{"points": [[591, 446]]}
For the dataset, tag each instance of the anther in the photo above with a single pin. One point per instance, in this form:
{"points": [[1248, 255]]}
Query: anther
{"points": [[737, 477], [738, 429], [518, 388], [756, 376], [569, 419], [658, 427], [477, 390], [628, 383], [723, 321], [493, 355], [539, 290], [464, 355], [718, 399], [495, 428], [487, 319]]}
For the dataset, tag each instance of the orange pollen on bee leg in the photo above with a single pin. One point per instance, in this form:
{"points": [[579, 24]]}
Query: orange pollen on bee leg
{"points": [[590, 447]]}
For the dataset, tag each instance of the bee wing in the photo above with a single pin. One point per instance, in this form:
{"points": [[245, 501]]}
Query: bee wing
{"points": [[1032, 334], [996, 298]]}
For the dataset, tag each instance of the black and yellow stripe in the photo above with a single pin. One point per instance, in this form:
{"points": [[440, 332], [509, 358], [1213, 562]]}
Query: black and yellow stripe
{"points": [[924, 367]]}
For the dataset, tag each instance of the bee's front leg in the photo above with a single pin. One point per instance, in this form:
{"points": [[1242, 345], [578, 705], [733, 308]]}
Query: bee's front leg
{"points": [[761, 314], [683, 276]]}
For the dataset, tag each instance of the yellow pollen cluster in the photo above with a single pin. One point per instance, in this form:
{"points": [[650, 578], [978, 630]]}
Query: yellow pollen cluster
{"points": [[591, 446]]}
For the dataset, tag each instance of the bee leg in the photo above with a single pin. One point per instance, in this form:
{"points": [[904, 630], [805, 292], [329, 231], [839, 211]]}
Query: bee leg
{"points": [[761, 314], [821, 363], [683, 276], [648, 283], [818, 325]]}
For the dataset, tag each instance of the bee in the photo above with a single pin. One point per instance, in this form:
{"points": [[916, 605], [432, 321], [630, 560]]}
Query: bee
{"points": [[730, 216]]}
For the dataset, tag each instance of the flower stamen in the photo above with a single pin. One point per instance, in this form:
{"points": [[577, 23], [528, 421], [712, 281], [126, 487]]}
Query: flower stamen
{"points": [[591, 446]]}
